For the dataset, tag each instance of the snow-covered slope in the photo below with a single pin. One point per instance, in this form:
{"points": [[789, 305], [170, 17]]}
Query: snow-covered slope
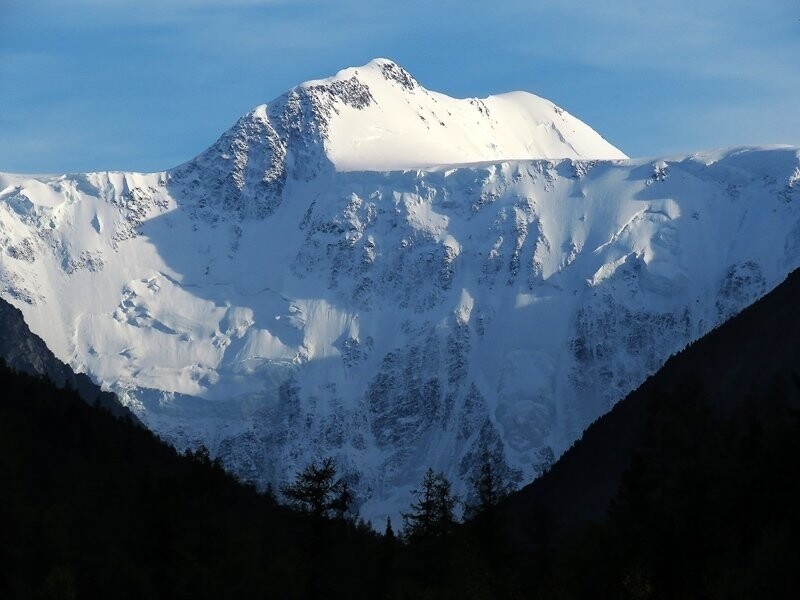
{"points": [[273, 303]]}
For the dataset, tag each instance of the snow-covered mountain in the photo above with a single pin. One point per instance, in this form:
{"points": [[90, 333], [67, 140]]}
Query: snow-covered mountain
{"points": [[369, 270]]}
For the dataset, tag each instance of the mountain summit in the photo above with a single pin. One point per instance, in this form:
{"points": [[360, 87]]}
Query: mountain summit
{"points": [[379, 118], [281, 298]]}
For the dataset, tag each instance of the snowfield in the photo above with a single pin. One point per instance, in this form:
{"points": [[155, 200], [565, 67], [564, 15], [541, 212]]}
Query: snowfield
{"points": [[372, 271]]}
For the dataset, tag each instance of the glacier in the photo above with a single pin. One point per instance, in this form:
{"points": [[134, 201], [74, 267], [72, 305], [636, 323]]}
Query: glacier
{"points": [[372, 271]]}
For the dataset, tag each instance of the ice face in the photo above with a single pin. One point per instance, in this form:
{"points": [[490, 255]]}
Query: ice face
{"points": [[268, 303]]}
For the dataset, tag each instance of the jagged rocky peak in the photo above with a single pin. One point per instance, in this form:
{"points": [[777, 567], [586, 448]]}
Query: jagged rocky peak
{"points": [[376, 72], [376, 117]]}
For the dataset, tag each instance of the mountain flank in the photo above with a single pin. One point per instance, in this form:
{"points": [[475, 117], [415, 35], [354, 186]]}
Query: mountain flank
{"points": [[27, 353], [283, 296]]}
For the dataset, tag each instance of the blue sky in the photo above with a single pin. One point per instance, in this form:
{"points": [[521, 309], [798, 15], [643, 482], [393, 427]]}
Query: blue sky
{"points": [[145, 85]]}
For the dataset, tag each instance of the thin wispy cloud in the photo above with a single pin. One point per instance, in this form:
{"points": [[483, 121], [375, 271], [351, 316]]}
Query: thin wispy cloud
{"points": [[712, 38], [190, 67]]}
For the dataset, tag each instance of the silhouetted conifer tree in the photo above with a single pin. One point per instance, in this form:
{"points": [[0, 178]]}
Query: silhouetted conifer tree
{"points": [[488, 488], [389, 531], [316, 490], [433, 513]]}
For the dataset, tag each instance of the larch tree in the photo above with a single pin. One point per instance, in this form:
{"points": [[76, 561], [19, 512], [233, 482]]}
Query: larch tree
{"points": [[432, 514], [317, 491]]}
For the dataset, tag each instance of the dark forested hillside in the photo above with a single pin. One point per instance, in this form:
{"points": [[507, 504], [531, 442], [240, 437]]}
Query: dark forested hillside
{"points": [[94, 506], [688, 487], [754, 354]]}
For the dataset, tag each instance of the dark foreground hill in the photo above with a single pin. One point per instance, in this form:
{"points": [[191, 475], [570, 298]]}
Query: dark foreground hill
{"points": [[689, 486], [95, 506]]}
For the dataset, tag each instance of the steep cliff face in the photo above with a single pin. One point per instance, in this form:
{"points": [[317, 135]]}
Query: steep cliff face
{"points": [[281, 297]]}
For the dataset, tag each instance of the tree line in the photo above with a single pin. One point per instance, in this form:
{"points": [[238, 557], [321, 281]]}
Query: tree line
{"points": [[319, 492], [92, 505], [95, 506]]}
